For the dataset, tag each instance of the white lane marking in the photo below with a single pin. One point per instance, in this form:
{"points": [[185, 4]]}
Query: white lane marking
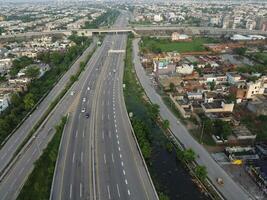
{"points": [[115, 121], [126, 182], [103, 135], [120, 156], [29, 159], [4, 155], [115, 125], [123, 171], [119, 148], [83, 133], [10, 147], [117, 136], [20, 171], [81, 190], [112, 157], [118, 142], [108, 192], [105, 160], [114, 112], [70, 190], [82, 157], [12, 184], [116, 130], [118, 190], [73, 157], [122, 163], [76, 133], [16, 139], [108, 116], [129, 193], [34, 152]]}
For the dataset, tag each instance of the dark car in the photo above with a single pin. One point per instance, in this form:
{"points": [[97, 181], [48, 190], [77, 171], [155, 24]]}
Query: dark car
{"points": [[87, 115]]}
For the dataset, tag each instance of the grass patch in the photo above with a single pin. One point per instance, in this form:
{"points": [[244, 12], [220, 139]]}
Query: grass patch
{"points": [[39, 182], [166, 45]]}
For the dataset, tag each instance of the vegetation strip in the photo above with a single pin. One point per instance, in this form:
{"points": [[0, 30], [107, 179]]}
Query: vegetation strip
{"points": [[52, 106], [23, 104], [39, 182]]}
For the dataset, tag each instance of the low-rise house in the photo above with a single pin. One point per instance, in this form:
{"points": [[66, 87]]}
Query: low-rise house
{"points": [[185, 69], [258, 106], [217, 106], [233, 77], [242, 133]]}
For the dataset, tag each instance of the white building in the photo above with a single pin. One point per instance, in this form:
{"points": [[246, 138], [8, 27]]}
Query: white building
{"points": [[185, 69], [4, 102], [158, 18], [176, 36]]}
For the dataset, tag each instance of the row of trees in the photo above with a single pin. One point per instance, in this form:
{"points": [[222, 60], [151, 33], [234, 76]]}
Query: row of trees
{"points": [[217, 127], [21, 103], [189, 156], [107, 18]]}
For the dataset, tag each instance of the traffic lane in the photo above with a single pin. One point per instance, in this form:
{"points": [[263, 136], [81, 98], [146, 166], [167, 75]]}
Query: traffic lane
{"points": [[130, 156], [76, 168], [118, 162], [113, 166], [230, 189], [83, 79]]}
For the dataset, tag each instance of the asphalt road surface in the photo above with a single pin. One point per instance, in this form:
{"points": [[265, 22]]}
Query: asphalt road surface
{"points": [[230, 189], [99, 158]]}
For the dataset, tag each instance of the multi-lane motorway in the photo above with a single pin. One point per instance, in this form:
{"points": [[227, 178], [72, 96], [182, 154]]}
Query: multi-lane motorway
{"points": [[101, 160], [91, 164]]}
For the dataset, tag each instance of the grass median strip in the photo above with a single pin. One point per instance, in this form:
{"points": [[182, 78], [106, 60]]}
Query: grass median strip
{"points": [[39, 182]]}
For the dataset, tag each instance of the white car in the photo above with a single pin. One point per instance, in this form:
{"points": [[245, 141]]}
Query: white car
{"points": [[88, 88], [83, 110], [72, 93], [84, 99]]}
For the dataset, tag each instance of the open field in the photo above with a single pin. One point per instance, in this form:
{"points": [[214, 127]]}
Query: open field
{"points": [[166, 45]]}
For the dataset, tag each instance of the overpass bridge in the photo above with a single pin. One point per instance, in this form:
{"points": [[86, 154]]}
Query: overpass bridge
{"points": [[139, 30]]}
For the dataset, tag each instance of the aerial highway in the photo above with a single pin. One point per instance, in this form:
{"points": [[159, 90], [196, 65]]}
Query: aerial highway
{"points": [[101, 160], [80, 173], [230, 189], [9, 149]]}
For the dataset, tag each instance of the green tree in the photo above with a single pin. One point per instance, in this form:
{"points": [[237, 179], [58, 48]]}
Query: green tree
{"points": [[56, 58], [153, 111], [28, 101], [240, 51], [212, 85], [165, 124], [222, 128], [172, 87], [163, 196], [189, 155], [32, 72], [15, 99], [201, 172], [208, 126]]}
